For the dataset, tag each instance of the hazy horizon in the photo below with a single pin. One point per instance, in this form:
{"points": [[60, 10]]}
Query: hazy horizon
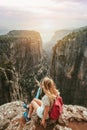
{"points": [[44, 16]]}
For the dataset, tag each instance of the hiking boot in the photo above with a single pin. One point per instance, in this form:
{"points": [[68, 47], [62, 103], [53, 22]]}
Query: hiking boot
{"points": [[28, 119], [25, 115], [25, 106]]}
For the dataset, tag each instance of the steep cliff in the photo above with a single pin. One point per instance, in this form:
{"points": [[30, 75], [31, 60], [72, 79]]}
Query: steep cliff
{"points": [[72, 118], [23, 49], [9, 88], [69, 67], [26, 48]]}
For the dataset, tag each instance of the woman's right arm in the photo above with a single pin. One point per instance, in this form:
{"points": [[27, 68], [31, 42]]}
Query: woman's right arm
{"points": [[45, 115]]}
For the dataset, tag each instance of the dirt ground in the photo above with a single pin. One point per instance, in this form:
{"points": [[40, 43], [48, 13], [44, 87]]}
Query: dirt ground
{"points": [[78, 126], [73, 125]]}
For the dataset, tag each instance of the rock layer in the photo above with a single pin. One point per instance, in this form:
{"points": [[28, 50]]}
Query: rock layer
{"points": [[69, 67], [73, 118], [9, 87], [21, 50]]}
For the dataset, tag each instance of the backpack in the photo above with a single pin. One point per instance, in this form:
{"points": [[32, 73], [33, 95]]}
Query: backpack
{"points": [[56, 109]]}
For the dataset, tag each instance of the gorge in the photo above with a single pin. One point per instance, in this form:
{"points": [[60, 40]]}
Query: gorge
{"points": [[22, 59]]}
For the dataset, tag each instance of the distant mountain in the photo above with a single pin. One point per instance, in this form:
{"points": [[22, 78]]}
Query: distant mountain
{"points": [[3, 31], [24, 33], [56, 37]]}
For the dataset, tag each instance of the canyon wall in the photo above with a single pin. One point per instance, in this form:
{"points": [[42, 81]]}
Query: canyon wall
{"points": [[69, 67], [21, 50]]}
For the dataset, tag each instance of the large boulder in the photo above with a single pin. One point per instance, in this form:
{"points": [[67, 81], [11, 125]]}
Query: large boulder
{"points": [[72, 118]]}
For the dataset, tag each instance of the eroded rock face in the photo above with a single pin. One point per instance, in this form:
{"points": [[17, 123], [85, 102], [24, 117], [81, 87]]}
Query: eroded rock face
{"points": [[72, 118], [25, 48], [9, 88], [69, 67], [22, 50]]}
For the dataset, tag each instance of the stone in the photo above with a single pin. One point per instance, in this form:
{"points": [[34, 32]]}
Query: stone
{"points": [[11, 118]]}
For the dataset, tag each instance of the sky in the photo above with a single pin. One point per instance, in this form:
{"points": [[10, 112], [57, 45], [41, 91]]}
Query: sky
{"points": [[44, 16]]}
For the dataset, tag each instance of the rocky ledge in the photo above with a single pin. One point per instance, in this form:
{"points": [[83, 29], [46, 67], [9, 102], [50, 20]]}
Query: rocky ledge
{"points": [[73, 118]]}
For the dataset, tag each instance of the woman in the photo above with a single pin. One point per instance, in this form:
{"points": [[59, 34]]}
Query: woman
{"points": [[42, 107]]}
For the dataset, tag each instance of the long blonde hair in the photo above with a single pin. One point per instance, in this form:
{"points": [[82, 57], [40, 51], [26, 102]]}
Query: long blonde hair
{"points": [[49, 88]]}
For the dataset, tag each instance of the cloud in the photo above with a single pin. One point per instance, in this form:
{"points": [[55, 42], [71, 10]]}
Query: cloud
{"points": [[43, 15], [74, 1], [46, 7]]}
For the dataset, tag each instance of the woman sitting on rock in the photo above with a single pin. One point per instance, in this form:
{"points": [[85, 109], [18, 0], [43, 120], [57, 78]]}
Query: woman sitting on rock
{"points": [[42, 107]]}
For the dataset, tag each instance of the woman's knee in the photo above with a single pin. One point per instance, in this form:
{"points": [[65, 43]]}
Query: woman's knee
{"points": [[38, 101], [34, 99], [31, 105], [32, 102]]}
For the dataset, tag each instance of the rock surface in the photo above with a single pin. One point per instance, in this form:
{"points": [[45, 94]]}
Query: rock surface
{"points": [[21, 50], [9, 87], [69, 67], [73, 118]]}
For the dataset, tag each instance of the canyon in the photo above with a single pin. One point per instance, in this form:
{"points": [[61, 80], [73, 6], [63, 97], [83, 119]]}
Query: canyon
{"points": [[22, 59]]}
